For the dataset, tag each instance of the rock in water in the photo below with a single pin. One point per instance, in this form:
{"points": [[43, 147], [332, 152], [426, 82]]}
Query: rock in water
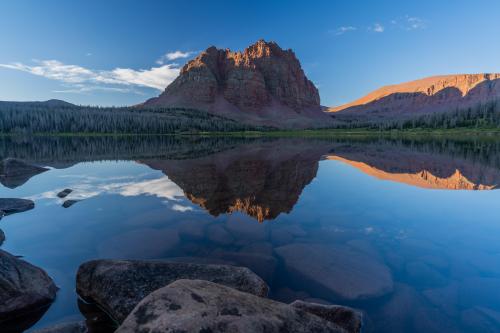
{"points": [[64, 193], [11, 205], [23, 287], [337, 270], [118, 285], [264, 84], [2, 237], [202, 306], [14, 172], [345, 317], [76, 327], [69, 203]]}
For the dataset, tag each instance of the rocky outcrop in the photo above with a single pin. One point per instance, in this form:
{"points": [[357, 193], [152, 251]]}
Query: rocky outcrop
{"points": [[118, 286], [262, 82], [23, 287], [202, 306], [15, 172], [12, 205], [432, 94]]}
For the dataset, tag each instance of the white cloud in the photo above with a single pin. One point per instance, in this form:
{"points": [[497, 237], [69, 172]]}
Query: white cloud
{"points": [[155, 77], [377, 27], [174, 56], [162, 188], [182, 209], [342, 30], [414, 23]]}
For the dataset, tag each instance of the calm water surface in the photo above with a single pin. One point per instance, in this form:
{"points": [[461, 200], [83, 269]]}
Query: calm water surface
{"points": [[406, 230]]}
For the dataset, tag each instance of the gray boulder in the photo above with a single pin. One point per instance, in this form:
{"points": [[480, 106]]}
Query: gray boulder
{"points": [[118, 286], [12, 205], [23, 287], [349, 319], [75, 327], [15, 172], [202, 306]]}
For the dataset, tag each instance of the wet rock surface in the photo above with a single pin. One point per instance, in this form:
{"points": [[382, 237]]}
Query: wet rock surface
{"points": [[118, 286], [349, 319], [13, 205], [2, 237], [23, 287], [337, 270], [15, 172], [202, 306]]}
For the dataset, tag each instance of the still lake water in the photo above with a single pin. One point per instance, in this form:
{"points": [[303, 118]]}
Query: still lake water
{"points": [[406, 230]]}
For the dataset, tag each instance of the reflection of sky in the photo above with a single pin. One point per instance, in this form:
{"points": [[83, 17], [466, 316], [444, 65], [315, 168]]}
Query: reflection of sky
{"points": [[89, 187], [429, 239]]}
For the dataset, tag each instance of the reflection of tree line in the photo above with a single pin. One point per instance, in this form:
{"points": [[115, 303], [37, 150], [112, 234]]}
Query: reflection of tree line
{"points": [[73, 149], [485, 151]]}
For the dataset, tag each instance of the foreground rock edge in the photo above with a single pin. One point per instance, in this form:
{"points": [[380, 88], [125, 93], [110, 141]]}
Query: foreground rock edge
{"points": [[117, 286], [203, 306]]}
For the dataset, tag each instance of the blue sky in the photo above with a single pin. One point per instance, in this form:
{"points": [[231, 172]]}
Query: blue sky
{"points": [[123, 52]]}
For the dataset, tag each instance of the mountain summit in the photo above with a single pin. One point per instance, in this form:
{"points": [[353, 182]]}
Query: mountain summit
{"points": [[264, 84]]}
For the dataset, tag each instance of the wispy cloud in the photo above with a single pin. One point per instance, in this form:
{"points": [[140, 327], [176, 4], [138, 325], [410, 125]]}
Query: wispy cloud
{"points": [[342, 30], [377, 27], [174, 56], [84, 78], [410, 23]]}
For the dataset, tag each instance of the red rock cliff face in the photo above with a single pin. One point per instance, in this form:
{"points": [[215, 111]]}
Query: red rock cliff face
{"points": [[263, 81], [432, 94]]}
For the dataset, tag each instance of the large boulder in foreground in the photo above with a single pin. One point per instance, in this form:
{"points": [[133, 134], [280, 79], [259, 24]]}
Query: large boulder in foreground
{"points": [[349, 319], [12, 205], [23, 287], [15, 172], [337, 270], [118, 286], [202, 306]]}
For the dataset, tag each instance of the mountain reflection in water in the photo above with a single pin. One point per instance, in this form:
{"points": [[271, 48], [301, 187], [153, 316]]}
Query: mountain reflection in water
{"points": [[340, 218]]}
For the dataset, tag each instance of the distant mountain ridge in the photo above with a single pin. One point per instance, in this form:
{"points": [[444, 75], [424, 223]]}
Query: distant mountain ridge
{"points": [[263, 84], [432, 94], [50, 102]]}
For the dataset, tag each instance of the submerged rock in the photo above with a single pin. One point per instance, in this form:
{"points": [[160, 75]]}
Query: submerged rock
{"points": [[14, 172], [12, 205], [347, 318], [337, 270], [75, 327], [2, 237], [64, 193], [203, 306], [23, 287], [69, 203], [118, 286]]}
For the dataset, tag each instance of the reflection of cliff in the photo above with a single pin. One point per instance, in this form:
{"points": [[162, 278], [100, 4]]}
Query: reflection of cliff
{"points": [[260, 180], [419, 168]]}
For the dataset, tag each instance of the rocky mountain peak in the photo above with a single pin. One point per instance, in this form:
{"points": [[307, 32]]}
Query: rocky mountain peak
{"points": [[262, 81]]}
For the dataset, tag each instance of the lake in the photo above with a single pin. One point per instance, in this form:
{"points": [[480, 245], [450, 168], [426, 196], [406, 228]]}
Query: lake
{"points": [[406, 230]]}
